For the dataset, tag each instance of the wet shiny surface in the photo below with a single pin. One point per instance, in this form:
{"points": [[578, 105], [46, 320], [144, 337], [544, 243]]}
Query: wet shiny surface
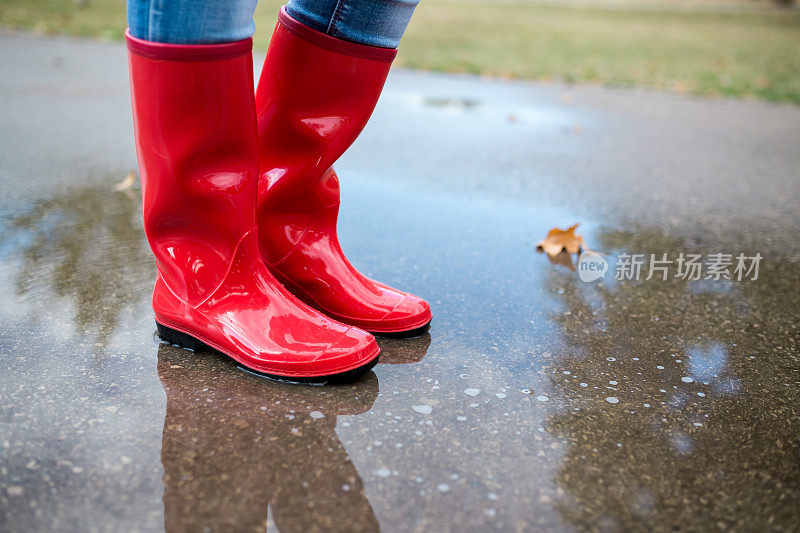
{"points": [[535, 401]]}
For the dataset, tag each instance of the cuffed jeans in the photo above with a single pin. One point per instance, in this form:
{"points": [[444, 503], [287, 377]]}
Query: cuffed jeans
{"points": [[371, 22]]}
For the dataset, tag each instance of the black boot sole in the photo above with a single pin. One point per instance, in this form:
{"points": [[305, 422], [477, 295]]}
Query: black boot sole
{"points": [[416, 332], [184, 340]]}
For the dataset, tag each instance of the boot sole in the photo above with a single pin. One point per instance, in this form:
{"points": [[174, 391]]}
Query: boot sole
{"points": [[184, 340], [416, 332]]}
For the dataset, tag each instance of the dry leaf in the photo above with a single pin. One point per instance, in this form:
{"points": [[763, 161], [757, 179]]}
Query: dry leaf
{"points": [[558, 240], [126, 183]]}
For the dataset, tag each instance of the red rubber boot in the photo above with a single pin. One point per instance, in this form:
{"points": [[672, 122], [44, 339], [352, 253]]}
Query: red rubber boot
{"points": [[195, 129], [315, 95]]}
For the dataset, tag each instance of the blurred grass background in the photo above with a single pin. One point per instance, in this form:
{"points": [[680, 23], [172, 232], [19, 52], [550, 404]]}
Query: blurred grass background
{"points": [[744, 49]]}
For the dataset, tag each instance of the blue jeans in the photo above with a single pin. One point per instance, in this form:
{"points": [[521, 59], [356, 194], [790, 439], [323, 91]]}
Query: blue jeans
{"points": [[371, 22]]}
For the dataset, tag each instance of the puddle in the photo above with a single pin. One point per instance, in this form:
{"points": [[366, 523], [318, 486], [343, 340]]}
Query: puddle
{"points": [[537, 401], [532, 390]]}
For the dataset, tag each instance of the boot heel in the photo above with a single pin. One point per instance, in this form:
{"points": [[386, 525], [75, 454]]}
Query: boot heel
{"points": [[181, 339]]}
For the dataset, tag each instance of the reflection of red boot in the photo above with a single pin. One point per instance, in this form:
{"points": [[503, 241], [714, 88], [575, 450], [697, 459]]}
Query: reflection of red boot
{"points": [[314, 97], [234, 445], [194, 121]]}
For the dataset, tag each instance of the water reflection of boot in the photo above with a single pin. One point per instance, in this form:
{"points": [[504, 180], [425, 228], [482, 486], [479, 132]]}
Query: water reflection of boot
{"points": [[404, 351], [235, 444]]}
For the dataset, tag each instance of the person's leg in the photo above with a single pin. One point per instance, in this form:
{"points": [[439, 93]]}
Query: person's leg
{"points": [[191, 22], [370, 22]]}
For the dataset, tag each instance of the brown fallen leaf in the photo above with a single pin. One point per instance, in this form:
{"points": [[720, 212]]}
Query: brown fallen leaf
{"points": [[559, 240], [126, 183]]}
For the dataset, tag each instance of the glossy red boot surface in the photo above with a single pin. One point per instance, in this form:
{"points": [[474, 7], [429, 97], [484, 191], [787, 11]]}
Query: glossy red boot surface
{"points": [[195, 129], [315, 95]]}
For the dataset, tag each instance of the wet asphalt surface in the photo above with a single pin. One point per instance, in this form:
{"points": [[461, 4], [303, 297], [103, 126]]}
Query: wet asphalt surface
{"points": [[537, 401]]}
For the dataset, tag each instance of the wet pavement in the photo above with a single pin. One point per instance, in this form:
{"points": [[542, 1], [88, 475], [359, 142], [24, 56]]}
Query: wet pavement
{"points": [[537, 401]]}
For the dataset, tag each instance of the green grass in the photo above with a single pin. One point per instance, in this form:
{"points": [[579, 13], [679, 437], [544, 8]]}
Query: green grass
{"points": [[745, 53]]}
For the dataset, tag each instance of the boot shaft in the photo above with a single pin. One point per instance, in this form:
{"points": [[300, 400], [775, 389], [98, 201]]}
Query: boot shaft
{"points": [[195, 130], [315, 95]]}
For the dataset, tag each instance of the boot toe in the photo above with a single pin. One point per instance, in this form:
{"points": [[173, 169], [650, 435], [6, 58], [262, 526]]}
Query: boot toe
{"points": [[325, 348], [411, 313]]}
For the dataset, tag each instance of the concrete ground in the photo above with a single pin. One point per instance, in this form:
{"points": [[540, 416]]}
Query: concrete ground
{"points": [[537, 401]]}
